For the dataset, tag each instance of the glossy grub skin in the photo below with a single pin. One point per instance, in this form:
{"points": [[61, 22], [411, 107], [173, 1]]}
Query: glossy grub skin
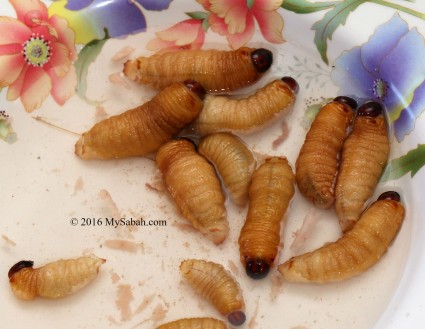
{"points": [[194, 323], [54, 280], [271, 190], [318, 160], [245, 115], [216, 70], [144, 129], [234, 162], [364, 156], [213, 282], [357, 250], [195, 188]]}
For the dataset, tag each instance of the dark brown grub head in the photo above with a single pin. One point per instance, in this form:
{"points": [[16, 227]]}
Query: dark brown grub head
{"points": [[370, 109], [237, 318], [257, 268], [346, 100], [19, 266], [262, 59], [390, 195], [292, 83], [196, 87]]}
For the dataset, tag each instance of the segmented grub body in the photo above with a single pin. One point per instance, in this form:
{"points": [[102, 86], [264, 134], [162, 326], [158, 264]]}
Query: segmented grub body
{"points": [[216, 70], [245, 115], [195, 188], [54, 280], [364, 156], [270, 192], [213, 282], [358, 249], [233, 161], [194, 323], [144, 129], [318, 160]]}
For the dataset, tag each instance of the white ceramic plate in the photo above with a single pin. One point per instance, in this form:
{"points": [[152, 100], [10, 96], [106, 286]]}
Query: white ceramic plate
{"points": [[44, 186]]}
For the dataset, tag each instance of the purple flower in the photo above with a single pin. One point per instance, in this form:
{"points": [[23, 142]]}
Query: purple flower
{"points": [[147, 4], [78, 4], [389, 68], [119, 17]]}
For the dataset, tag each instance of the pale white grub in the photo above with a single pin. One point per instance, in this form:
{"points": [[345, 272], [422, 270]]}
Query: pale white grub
{"points": [[57, 279]]}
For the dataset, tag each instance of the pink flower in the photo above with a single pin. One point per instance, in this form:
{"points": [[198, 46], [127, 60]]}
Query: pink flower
{"points": [[36, 55], [235, 19], [188, 34]]}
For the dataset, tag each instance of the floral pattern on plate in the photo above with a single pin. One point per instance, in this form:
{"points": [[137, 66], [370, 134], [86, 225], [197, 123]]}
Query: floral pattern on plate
{"points": [[233, 19], [6, 132], [388, 68], [40, 57], [89, 18], [36, 59]]}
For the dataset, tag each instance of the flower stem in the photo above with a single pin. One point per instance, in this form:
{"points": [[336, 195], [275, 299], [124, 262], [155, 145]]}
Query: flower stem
{"points": [[400, 8]]}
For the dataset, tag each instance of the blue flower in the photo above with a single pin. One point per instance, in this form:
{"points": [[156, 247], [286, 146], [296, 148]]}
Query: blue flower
{"points": [[89, 18], [389, 68]]}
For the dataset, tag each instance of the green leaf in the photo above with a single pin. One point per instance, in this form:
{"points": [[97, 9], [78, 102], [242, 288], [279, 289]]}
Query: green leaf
{"points": [[6, 132], [311, 112], [306, 7], [203, 16], [87, 56], [411, 162], [205, 24], [249, 3], [197, 15], [330, 22], [399, 8]]}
